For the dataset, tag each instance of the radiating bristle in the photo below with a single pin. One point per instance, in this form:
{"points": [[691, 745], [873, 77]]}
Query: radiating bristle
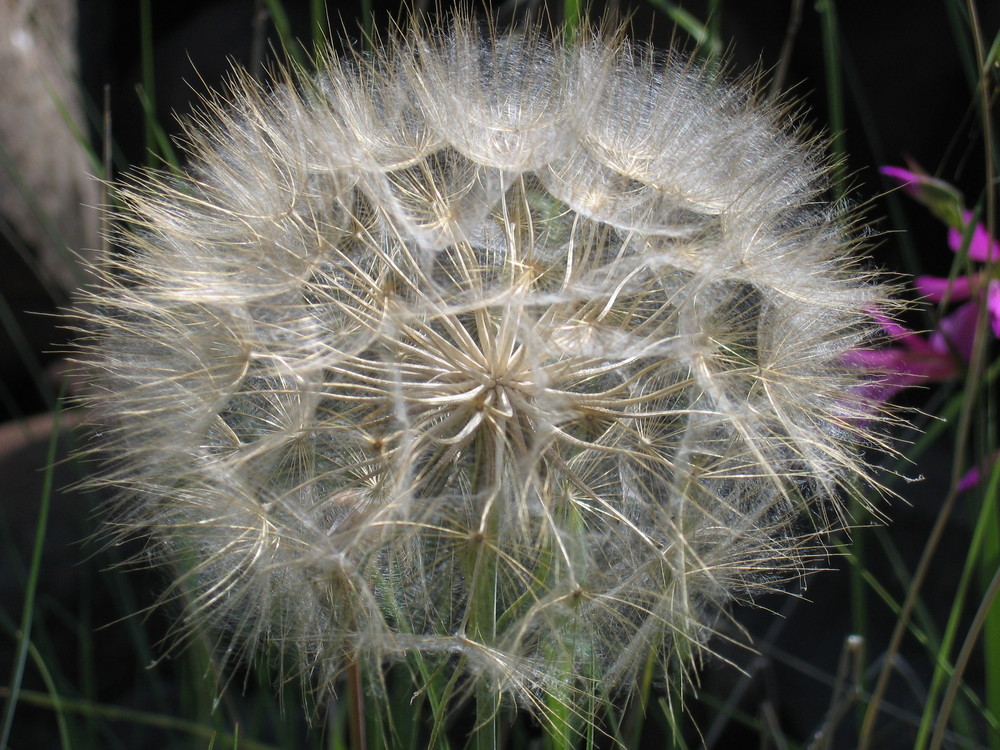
{"points": [[513, 351]]}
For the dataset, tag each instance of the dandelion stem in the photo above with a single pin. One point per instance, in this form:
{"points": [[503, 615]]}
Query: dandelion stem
{"points": [[483, 574], [356, 706]]}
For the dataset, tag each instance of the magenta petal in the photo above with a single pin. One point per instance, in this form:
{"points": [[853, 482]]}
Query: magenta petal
{"points": [[957, 330], [895, 368], [909, 181], [969, 480], [993, 303], [936, 288], [942, 198], [873, 359], [878, 392], [982, 247], [902, 367], [888, 325], [974, 475], [908, 338]]}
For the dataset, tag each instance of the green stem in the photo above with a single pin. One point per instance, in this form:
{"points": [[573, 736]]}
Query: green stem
{"points": [[28, 610], [964, 655], [482, 622], [367, 24], [985, 62], [834, 92], [356, 707], [571, 18]]}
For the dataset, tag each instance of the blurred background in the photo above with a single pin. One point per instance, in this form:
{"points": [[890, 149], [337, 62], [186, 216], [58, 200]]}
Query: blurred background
{"points": [[92, 88]]}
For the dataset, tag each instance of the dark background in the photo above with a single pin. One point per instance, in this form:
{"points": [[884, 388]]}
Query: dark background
{"points": [[908, 95]]}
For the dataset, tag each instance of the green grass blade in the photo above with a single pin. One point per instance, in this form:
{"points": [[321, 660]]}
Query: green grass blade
{"points": [[28, 611], [57, 705], [834, 93], [705, 35]]}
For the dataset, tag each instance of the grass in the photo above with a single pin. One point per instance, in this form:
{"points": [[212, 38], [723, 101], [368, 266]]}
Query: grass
{"points": [[912, 656]]}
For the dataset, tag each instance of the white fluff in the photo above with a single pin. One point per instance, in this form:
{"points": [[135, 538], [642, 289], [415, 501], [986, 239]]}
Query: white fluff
{"points": [[543, 329]]}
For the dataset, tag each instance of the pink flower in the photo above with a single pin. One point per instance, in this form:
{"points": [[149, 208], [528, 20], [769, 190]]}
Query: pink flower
{"points": [[981, 248], [946, 202], [915, 182], [993, 302], [914, 359], [942, 198], [974, 475], [940, 355]]}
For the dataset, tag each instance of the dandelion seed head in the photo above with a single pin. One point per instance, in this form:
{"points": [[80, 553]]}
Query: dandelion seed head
{"points": [[516, 351]]}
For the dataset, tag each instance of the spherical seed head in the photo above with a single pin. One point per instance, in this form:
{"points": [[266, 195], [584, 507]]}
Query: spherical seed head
{"points": [[521, 353]]}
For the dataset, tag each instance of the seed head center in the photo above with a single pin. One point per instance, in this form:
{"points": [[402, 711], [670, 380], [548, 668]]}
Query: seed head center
{"points": [[483, 381]]}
